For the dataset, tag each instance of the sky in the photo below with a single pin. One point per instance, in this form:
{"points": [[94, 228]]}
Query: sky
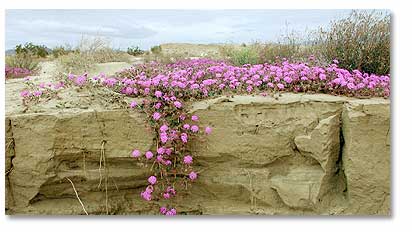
{"points": [[146, 28]]}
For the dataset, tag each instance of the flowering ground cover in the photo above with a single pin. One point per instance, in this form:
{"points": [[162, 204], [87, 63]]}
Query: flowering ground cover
{"points": [[166, 91], [15, 72]]}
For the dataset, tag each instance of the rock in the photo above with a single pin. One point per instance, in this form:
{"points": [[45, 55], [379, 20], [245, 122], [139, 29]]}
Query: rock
{"points": [[265, 156], [366, 156], [304, 186]]}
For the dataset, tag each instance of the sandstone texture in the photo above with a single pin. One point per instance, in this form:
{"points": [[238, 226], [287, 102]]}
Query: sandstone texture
{"points": [[293, 154], [290, 155]]}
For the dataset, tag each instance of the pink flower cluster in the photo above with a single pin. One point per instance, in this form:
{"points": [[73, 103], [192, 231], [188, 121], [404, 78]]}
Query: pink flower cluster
{"points": [[168, 212], [35, 92], [16, 72], [205, 78]]}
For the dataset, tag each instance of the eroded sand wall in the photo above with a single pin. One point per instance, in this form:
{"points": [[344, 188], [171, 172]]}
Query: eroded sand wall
{"points": [[292, 155]]}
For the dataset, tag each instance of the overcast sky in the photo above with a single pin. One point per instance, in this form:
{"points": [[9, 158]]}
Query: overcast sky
{"points": [[151, 27]]}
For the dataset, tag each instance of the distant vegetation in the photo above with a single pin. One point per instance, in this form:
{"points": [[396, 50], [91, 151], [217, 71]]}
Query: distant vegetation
{"points": [[62, 50], [26, 58], [30, 49], [88, 52], [361, 41], [135, 51], [156, 49]]}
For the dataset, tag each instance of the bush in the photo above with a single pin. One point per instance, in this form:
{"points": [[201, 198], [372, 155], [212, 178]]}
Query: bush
{"points": [[259, 53], [271, 52], [360, 41], [75, 63], [89, 52], [135, 51], [31, 49], [247, 55], [156, 49], [23, 61], [61, 51]]}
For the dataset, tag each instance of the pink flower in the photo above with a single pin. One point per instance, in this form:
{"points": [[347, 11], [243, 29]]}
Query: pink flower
{"points": [[171, 190], [280, 86], [194, 128], [149, 189], [146, 195], [159, 158], [288, 80], [133, 104], [152, 180], [80, 80], [183, 136], [249, 88], [149, 155], [156, 116], [171, 212], [25, 93], [161, 150], [186, 126], [208, 130], [166, 195], [188, 159], [351, 86], [158, 94], [163, 137], [192, 175], [177, 104], [158, 105], [135, 153], [167, 162], [195, 118], [163, 210], [37, 93], [109, 82], [164, 128]]}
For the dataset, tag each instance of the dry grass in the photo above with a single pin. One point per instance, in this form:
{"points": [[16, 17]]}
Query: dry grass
{"points": [[23, 61], [89, 52], [361, 41]]}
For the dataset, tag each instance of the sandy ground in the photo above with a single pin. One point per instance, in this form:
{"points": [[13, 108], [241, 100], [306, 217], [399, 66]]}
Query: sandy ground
{"points": [[66, 98]]}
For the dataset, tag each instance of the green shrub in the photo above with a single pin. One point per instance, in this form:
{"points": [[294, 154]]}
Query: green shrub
{"points": [[258, 53], [23, 60], [156, 49], [135, 51], [360, 41], [247, 55], [61, 51], [31, 49]]}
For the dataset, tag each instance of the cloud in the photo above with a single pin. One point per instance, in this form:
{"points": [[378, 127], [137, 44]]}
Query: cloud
{"points": [[151, 27], [41, 27]]}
